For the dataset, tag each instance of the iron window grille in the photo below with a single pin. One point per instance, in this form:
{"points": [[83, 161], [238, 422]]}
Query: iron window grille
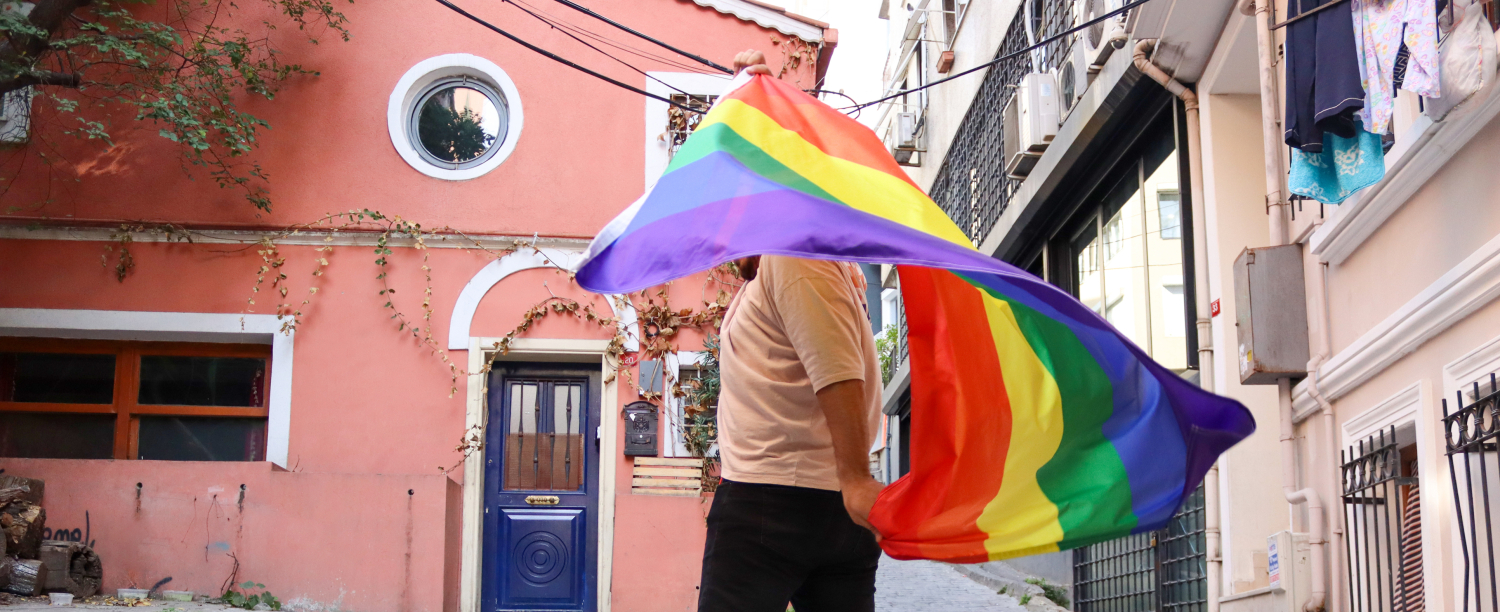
{"points": [[1382, 561], [1471, 435], [680, 123], [1183, 560], [971, 185], [1163, 570]]}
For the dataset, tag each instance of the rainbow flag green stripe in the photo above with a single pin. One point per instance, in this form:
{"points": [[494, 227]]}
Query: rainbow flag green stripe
{"points": [[1035, 425]]}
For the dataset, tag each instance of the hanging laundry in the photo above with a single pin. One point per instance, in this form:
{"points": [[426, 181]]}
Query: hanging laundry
{"points": [[1323, 82], [1398, 48], [1344, 166], [1404, 55], [1468, 57]]}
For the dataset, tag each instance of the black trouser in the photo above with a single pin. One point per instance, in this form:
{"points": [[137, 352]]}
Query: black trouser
{"points": [[770, 544], [1324, 87]]}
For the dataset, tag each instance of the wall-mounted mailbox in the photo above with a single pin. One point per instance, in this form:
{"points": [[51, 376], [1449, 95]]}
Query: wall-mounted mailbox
{"points": [[641, 431], [1270, 316]]}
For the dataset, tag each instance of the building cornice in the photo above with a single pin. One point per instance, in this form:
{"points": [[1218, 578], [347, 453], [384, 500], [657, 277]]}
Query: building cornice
{"points": [[1470, 285], [1418, 155]]}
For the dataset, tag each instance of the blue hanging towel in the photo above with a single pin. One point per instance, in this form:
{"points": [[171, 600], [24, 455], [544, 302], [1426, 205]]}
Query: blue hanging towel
{"points": [[1345, 165]]}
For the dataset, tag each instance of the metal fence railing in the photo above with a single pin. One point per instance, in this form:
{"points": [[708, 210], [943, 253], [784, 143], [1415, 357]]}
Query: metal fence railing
{"points": [[1471, 434]]}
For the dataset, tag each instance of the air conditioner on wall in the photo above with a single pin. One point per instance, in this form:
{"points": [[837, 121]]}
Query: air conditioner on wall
{"points": [[1100, 40], [1030, 122], [1072, 79], [905, 137]]}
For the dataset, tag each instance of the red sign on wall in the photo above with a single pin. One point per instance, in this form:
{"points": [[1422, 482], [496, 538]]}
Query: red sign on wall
{"points": [[1213, 308]]}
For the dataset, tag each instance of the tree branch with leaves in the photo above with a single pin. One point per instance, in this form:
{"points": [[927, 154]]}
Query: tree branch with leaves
{"points": [[185, 66]]}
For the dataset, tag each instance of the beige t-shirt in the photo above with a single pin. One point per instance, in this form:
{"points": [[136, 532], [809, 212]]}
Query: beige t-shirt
{"points": [[798, 327]]}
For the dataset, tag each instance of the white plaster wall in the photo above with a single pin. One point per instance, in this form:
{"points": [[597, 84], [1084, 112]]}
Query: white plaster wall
{"points": [[1456, 212], [1233, 185], [978, 38]]}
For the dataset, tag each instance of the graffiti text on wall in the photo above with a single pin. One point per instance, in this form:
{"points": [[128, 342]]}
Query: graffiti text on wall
{"points": [[71, 535]]}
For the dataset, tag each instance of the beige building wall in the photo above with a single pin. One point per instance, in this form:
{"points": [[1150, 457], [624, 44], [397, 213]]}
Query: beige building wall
{"points": [[1454, 214], [1450, 218], [978, 36], [1250, 473], [1440, 228]]}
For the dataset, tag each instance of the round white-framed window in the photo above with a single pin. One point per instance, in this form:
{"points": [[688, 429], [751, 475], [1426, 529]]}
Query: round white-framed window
{"points": [[455, 117]]}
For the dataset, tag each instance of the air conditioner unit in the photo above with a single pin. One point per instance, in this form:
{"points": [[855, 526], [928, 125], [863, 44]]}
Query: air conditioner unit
{"points": [[1030, 122], [1100, 40], [904, 138]]}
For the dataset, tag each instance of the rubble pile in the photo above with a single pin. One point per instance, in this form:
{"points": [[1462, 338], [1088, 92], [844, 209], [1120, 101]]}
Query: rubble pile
{"points": [[30, 565]]}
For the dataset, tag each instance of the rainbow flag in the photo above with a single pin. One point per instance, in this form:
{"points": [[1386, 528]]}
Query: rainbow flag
{"points": [[1035, 425]]}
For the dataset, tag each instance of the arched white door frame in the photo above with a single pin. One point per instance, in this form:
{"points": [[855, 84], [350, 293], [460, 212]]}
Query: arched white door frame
{"points": [[525, 259]]}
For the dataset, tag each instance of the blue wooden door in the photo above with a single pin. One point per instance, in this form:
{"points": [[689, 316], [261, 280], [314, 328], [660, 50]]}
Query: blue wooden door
{"points": [[541, 488]]}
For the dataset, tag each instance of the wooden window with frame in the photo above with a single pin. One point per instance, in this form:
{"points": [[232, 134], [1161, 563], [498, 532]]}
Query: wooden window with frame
{"points": [[96, 399]]}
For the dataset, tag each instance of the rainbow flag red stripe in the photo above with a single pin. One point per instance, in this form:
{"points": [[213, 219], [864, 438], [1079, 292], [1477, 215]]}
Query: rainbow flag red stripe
{"points": [[1035, 425]]}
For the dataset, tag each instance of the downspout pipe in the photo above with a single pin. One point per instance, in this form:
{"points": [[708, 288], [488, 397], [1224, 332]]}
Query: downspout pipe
{"points": [[1317, 533], [1276, 204], [1189, 99], [1271, 137], [1314, 368]]}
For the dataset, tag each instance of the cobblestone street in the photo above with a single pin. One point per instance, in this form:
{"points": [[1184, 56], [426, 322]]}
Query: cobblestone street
{"points": [[925, 586]]}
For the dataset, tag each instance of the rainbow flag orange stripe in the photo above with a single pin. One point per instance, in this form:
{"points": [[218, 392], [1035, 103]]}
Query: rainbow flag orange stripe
{"points": [[1035, 425]]}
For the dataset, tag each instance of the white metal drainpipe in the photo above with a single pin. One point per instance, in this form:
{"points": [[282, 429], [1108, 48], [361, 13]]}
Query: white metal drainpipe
{"points": [[1200, 297], [1314, 367], [1276, 204]]}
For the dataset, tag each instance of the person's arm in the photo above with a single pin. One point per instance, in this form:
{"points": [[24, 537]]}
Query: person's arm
{"points": [[843, 405]]}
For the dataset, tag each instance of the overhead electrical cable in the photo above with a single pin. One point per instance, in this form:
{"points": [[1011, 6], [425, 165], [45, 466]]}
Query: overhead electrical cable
{"points": [[559, 59], [1012, 55], [585, 10], [585, 32], [601, 51]]}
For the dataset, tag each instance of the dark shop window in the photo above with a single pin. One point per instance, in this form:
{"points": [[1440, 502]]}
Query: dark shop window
{"points": [[84, 399]]}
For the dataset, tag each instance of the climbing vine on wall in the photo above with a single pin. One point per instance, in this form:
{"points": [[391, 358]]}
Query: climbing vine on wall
{"points": [[658, 326], [794, 52]]}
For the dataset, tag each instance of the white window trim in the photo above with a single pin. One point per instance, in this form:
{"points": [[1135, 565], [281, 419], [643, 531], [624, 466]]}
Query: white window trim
{"points": [[177, 327], [1396, 410], [661, 84], [467, 304], [1400, 410], [675, 406], [428, 71]]}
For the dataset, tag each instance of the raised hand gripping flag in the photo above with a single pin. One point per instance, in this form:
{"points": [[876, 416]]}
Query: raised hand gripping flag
{"points": [[1035, 425]]}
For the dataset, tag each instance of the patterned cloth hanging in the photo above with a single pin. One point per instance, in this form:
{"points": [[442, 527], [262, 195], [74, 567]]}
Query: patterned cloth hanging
{"points": [[1409, 597]]}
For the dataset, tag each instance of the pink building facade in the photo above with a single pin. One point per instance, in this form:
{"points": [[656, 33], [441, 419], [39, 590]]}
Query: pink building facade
{"points": [[188, 433]]}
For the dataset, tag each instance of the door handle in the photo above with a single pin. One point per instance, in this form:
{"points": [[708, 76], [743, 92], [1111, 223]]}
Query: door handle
{"points": [[542, 500]]}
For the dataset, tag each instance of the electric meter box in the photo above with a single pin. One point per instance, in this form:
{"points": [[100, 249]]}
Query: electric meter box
{"points": [[1289, 569], [1270, 318]]}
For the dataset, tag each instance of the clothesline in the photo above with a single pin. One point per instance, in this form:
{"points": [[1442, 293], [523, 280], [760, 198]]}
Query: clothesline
{"points": [[1307, 14]]}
